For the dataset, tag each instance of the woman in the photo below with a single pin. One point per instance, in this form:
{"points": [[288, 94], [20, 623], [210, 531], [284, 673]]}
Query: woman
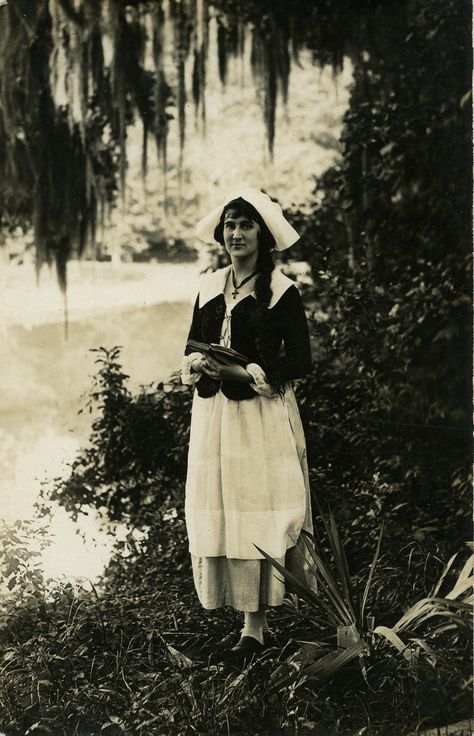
{"points": [[247, 483]]}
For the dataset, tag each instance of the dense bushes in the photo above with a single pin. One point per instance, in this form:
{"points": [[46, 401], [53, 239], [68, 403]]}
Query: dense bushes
{"points": [[382, 438], [365, 461], [388, 238], [134, 659]]}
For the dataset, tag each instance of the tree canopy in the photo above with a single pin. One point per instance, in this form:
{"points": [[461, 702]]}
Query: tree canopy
{"points": [[73, 76]]}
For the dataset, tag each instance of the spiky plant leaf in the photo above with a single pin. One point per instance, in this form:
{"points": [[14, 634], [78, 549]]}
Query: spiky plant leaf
{"points": [[325, 668], [446, 569], [370, 577], [329, 585], [392, 637], [465, 580]]}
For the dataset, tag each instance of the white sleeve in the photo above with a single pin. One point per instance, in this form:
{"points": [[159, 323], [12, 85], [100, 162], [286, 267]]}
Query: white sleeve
{"points": [[260, 382], [188, 377]]}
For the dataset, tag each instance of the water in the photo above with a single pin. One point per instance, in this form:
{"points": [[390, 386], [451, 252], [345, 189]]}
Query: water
{"points": [[146, 309]]}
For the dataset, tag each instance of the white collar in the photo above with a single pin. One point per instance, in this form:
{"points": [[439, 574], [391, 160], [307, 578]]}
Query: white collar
{"points": [[213, 284]]}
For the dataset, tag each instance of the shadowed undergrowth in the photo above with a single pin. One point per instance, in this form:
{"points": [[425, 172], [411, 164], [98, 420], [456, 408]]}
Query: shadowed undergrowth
{"points": [[142, 657]]}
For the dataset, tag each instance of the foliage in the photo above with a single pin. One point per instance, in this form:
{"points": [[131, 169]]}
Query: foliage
{"points": [[432, 637], [135, 463], [74, 661], [386, 425], [21, 545], [91, 68], [388, 238], [134, 659]]}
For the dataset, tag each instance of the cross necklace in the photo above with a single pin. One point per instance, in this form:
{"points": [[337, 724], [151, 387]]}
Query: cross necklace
{"points": [[239, 286]]}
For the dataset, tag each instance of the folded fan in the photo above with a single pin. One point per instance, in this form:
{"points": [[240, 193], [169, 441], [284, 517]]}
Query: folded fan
{"points": [[224, 355]]}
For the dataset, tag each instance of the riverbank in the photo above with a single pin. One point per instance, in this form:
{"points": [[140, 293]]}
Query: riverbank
{"points": [[94, 289], [145, 308]]}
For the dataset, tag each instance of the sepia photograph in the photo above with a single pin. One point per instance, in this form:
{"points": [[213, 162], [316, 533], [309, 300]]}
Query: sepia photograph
{"points": [[236, 370]]}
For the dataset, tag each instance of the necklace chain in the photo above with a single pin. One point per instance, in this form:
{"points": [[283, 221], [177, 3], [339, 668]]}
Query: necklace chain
{"points": [[239, 286]]}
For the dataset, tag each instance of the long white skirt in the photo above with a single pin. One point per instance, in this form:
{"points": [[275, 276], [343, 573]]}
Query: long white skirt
{"points": [[247, 486]]}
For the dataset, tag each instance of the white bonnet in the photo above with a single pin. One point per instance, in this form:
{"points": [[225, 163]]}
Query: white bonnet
{"points": [[271, 212]]}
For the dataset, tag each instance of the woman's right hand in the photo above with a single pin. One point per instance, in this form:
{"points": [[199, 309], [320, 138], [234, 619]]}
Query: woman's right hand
{"points": [[198, 364]]}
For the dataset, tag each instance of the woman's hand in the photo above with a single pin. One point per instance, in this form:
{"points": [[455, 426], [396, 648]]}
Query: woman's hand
{"points": [[220, 372], [198, 363]]}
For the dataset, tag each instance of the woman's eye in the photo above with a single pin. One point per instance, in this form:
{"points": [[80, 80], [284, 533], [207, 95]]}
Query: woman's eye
{"points": [[243, 225]]}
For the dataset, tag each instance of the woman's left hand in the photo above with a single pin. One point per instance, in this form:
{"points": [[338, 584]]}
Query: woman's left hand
{"points": [[221, 372]]}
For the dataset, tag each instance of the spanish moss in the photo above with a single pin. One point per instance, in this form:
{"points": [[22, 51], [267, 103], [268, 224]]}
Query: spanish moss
{"points": [[161, 90], [76, 73]]}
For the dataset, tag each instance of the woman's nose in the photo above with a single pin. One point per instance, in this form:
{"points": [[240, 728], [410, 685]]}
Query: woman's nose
{"points": [[236, 235]]}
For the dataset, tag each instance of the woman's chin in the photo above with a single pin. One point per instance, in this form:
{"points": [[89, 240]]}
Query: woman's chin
{"points": [[241, 254]]}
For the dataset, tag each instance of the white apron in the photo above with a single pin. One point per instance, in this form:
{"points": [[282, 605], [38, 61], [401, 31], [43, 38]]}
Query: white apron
{"points": [[247, 481]]}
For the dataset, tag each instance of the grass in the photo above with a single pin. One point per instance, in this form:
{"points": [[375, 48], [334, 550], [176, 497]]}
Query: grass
{"points": [[134, 658]]}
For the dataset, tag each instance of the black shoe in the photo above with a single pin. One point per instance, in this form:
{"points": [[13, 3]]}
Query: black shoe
{"points": [[248, 645], [223, 645]]}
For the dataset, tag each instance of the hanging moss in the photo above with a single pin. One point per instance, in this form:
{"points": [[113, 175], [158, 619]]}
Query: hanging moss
{"points": [[204, 22], [161, 90], [52, 160], [264, 69], [71, 92], [222, 51], [73, 71], [199, 83], [230, 40], [117, 22], [282, 61], [182, 16]]}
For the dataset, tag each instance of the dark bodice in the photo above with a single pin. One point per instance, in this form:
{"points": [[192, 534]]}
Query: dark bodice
{"points": [[288, 348]]}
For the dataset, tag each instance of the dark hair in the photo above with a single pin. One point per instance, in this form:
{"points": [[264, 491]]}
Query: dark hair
{"points": [[263, 290], [241, 208]]}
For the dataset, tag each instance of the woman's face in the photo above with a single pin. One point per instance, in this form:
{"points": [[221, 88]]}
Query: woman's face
{"points": [[240, 235]]}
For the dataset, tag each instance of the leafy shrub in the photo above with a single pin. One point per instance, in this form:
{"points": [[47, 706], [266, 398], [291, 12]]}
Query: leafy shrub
{"points": [[385, 413], [388, 238], [133, 659], [21, 546], [135, 464]]}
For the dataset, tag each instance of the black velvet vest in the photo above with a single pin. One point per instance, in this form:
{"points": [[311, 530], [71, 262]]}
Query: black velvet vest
{"points": [[289, 351]]}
